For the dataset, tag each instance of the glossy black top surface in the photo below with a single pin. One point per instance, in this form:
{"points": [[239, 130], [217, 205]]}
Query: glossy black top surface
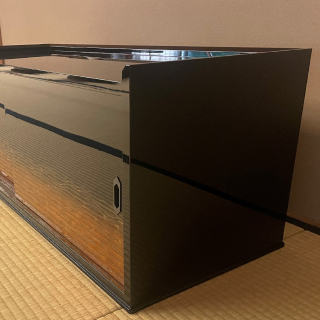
{"points": [[105, 63], [94, 69], [140, 55]]}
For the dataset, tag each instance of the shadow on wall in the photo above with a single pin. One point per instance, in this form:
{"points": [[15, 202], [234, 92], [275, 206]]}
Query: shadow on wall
{"points": [[1, 61], [304, 198], [305, 191]]}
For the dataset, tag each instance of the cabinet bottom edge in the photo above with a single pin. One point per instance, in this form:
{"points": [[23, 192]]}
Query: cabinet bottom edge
{"points": [[139, 307], [111, 290]]}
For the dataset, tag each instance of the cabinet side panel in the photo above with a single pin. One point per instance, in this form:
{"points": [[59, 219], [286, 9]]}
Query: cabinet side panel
{"points": [[228, 123], [213, 145], [182, 235]]}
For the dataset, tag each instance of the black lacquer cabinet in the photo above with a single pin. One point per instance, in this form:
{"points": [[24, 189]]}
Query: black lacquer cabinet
{"points": [[152, 169]]}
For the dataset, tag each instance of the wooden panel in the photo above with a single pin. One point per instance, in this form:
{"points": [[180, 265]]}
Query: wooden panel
{"points": [[5, 154], [68, 184]]}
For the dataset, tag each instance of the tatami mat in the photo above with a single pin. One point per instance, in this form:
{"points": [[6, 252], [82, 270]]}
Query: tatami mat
{"points": [[282, 285], [37, 282], [291, 230]]}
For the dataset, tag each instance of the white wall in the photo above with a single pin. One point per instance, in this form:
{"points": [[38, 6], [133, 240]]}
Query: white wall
{"points": [[272, 23]]}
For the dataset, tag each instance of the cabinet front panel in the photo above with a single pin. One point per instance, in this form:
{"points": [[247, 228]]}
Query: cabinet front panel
{"points": [[63, 146]]}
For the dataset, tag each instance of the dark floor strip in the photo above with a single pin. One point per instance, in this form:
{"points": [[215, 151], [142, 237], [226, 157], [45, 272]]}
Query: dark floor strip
{"points": [[303, 225]]}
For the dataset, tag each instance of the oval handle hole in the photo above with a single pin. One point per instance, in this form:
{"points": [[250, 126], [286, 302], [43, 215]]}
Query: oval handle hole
{"points": [[117, 195]]}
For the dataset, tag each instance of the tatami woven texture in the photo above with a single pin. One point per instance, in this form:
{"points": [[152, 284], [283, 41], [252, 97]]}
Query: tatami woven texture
{"points": [[37, 282]]}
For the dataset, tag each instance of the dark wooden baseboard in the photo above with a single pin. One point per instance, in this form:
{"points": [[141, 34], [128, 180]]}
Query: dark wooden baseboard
{"points": [[303, 222]]}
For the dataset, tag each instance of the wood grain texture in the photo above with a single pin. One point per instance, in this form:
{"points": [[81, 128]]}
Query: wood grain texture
{"points": [[74, 248], [69, 207], [5, 153], [68, 185], [78, 227]]}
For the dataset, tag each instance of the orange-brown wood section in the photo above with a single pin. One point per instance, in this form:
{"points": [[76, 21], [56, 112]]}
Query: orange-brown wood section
{"points": [[91, 236]]}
